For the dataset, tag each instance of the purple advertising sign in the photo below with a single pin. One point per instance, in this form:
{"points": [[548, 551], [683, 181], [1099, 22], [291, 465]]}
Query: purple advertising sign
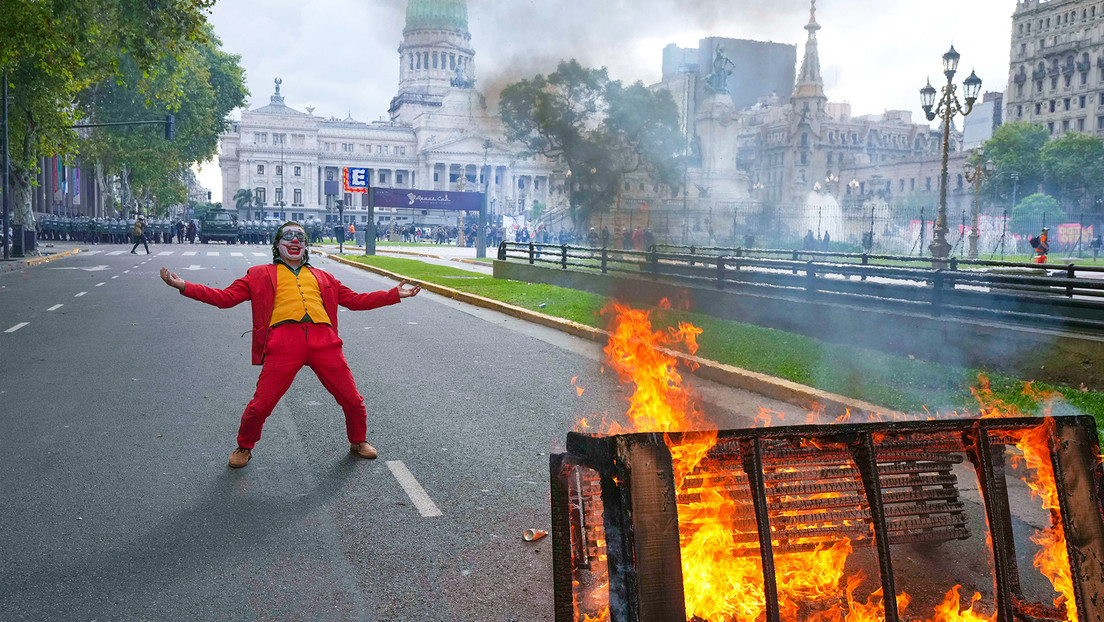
{"points": [[426, 199]]}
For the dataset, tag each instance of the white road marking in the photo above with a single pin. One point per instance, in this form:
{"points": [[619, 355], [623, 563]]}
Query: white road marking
{"points": [[413, 489], [116, 252], [164, 253], [55, 307], [236, 255], [21, 325], [99, 284], [90, 253], [115, 277], [259, 255], [80, 294], [213, 254], [194, 267], [126, 271], [188, 253]]}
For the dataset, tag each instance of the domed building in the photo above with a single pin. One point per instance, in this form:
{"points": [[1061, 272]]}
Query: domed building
{"points": [[440, 136]]}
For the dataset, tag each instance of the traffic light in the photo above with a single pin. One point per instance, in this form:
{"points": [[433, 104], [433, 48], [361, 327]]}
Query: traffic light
{"points": [[170, 127]]}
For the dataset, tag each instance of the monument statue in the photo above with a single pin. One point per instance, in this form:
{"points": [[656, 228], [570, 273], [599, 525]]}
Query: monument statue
{"points": [[460, 80], [722, 69]]}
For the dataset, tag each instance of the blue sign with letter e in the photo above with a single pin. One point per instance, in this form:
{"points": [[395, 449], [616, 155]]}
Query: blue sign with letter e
{"points": [[356, 179]]}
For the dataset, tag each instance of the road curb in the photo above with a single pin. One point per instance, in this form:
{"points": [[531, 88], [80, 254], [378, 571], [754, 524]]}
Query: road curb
{"points": [[35, 261], [809, 398]]}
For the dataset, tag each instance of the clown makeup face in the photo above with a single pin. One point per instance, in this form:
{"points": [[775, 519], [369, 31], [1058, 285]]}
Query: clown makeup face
{"points": [[292, 245]]}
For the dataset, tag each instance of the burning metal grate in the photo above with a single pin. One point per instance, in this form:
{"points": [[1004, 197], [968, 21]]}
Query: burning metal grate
{"points": [[624, 512]]}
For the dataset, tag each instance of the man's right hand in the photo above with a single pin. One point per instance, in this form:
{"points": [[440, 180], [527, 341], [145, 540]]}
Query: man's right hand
{"points": [[172, 279]]}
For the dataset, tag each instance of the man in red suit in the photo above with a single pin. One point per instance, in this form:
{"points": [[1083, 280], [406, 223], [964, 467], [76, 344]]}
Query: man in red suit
{"points": [[295, 324]]}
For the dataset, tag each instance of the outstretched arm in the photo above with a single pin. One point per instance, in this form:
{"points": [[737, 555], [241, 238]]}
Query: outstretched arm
{"points": [[237, 293], [408, 292]]}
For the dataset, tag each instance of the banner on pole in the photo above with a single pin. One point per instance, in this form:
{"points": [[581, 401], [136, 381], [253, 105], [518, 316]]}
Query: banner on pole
{"points": [[427, 199]]}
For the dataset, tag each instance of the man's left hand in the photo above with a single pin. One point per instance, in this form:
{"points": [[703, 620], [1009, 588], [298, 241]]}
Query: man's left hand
{"points": [[407, 292]]}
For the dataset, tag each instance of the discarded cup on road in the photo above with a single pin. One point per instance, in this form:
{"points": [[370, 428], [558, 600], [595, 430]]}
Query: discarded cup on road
{"points": [[534, 534]]}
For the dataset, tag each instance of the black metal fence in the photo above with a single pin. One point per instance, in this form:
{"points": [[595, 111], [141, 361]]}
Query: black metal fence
{"points": [[1056, 296]]}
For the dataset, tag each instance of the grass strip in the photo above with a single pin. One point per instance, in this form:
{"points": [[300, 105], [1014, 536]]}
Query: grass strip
{"points": [[897, 382]]}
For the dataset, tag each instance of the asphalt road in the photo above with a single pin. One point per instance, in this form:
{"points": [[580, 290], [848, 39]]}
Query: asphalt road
{"points": [[120, 401]]}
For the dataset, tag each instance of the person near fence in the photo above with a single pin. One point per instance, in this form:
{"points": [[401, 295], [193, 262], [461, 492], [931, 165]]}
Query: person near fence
{"points": [[295, 325], [1095, 246], [1041, 244], [809, 243]]}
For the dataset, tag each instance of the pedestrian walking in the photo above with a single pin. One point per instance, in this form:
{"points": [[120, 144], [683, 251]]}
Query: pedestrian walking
{"points": [[139, 234], [1041, 245], [1095, 246], [294, 325]]}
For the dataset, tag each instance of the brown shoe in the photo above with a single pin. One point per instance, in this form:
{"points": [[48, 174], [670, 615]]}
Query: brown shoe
{"points": [[364, 450], [240, 457]]}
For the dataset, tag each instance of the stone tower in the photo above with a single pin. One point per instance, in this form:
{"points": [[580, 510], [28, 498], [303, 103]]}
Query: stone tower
{"points": [[435, 56]]}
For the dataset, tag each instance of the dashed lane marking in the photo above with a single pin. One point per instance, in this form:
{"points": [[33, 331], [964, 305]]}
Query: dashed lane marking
{"points": [[115, 277], [126, 271], [164, 253], [116, 252], [90, 253], [100, 284], [55, 307], [188, 253], [413, 489], [213, 254], [236, 255], [16, 327], [80, 294]]}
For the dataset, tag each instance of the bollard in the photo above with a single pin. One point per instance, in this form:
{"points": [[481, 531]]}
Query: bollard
{"points": [[654, 259], [810, 277], [865, 262], [563, 256], [692, 255], [532, 254], [605, 258], [502, 251], [1071, 273], [720, 272]]}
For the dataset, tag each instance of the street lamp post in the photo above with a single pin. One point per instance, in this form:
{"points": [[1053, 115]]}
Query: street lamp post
{"points": [[283, 214], [975, 175], [947, 108]]}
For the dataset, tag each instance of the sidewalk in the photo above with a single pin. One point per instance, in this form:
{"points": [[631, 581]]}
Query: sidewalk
{"points": [[47, 252]]}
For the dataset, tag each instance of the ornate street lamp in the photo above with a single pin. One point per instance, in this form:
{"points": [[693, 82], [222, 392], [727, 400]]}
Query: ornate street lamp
{"points": [[947, 107], [976, 174]]}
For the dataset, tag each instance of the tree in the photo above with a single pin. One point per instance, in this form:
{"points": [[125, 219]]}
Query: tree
{"points": [[1028, 217], [1074, 167], [200, 85], [596, 128], [52, 51], [1015, 150], [243, 198]]}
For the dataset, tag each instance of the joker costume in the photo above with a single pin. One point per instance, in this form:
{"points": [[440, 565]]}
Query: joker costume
{"points": [[294, 324]]}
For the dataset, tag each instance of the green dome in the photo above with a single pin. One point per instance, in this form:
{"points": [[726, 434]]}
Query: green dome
{"points": [[433, 14]]}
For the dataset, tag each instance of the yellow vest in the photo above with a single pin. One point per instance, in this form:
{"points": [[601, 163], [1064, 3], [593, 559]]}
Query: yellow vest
{"points": [[297, 297]]}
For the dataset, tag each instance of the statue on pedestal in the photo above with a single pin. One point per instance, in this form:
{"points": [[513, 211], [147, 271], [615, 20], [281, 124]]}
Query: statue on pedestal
{"points": [[722, 69]]}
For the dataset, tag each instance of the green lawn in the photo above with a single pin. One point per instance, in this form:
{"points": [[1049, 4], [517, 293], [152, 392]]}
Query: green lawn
{"points": [[896, 382]]}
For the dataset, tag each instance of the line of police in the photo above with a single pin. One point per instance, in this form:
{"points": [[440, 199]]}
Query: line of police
{"points": [[158, 230]]}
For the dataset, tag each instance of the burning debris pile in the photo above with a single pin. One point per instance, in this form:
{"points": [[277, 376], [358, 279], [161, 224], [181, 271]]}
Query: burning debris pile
{"points": [[668, 518]]}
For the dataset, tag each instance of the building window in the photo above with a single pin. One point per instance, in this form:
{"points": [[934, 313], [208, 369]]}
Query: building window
{"points": [[257, 215], [1052, 105], [960, 182], [259, 195], [435, 60], [912, 184], [1080, 125], [1053, 84], [399, 178], [901, 186], [383, 177], [1019, 112], [927, 184], [279, 193], [297, 196], [279, 170], [348, 199], [260, 169], [1038, 86], [1067, 104], [1081, 100], [1050, 127], [329, 175], [298, 171], [1065, 126]]}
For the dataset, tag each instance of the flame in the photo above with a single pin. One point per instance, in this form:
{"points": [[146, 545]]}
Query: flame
{"points": [[723, 578]]}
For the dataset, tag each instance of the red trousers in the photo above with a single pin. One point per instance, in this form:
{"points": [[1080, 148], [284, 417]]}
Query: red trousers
{"points": [[289, 348]]}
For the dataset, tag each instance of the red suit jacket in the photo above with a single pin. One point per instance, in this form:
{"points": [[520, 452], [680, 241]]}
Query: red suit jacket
{"points": [[259, 286]]}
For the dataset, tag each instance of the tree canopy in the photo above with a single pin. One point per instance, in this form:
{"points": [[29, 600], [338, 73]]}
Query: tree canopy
{"points": [[54, 52], [596, 128], [1034, 210]]}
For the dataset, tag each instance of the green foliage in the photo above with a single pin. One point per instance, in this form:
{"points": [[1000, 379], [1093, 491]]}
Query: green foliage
{"points": [[243, 198], [1034, 210], [53, 51], [598, 129], [1074, 167], [1015, 150]]}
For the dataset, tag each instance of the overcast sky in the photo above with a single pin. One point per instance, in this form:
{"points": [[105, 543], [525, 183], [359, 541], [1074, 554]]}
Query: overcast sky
{"points": [[340, 56]]}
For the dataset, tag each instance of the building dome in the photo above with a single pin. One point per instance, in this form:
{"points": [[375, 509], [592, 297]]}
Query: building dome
{"points": [[437, 14]]}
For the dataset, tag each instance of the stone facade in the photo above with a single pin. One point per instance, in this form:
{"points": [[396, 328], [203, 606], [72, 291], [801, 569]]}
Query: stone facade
{"points": [[440, 136], [1056, 69]]}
